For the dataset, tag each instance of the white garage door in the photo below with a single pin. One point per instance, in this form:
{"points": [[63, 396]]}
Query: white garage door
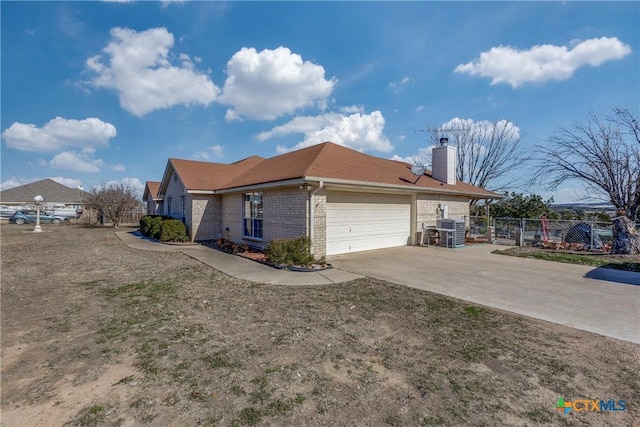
{"points": [[360, 222]]}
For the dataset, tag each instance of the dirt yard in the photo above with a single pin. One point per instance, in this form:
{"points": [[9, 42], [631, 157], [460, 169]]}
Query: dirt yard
{"points": [[96, 333]]}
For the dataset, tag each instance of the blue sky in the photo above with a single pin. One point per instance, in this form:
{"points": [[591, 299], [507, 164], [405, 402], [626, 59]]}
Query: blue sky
{"points": [[95, 92]]}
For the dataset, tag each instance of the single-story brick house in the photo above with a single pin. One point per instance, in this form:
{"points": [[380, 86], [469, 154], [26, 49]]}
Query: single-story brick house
{"points": [[344, 200]]}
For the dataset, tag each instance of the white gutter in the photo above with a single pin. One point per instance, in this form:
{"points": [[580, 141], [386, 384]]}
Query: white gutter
{"points": [[262, 186], [347, 183], [404, 188]]}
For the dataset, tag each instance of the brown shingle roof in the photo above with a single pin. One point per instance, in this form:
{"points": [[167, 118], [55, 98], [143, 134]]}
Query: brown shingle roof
{"points": [[197, 175], [322, 161], [151, 187]]}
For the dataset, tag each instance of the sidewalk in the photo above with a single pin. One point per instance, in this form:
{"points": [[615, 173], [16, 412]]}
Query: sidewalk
{"points": [[237, 266]]}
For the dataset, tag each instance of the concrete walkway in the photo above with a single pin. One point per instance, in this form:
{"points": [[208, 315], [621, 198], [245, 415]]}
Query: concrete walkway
{"points": [[600, 300], [239, 267]]}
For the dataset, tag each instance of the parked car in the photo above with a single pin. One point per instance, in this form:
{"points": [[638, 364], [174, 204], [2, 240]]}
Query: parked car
{"points": [[6, 212], [26, 217]]}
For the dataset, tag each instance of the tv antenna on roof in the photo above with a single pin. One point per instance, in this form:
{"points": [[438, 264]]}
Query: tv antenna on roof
{"points": [[418, 170]]}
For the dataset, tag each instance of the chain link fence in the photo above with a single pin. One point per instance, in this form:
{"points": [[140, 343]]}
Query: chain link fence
{"points": [[572, 235]]}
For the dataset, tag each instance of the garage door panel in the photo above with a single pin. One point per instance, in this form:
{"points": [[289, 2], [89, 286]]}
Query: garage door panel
{"points": [[359, 222]]}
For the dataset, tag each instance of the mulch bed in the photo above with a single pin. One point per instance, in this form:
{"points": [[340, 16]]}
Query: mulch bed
{"points": [[257, 255]]}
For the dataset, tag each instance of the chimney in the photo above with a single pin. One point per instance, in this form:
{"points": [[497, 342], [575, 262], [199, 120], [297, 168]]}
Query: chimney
{"points": [[443, 162]]}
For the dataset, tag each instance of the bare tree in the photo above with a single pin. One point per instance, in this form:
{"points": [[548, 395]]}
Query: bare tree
{"points": [[485, 151], [114, 201], [603, 152]]}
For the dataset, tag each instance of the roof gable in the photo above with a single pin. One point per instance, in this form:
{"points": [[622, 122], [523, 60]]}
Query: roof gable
{"points": [[151, 188], [205, 176]]}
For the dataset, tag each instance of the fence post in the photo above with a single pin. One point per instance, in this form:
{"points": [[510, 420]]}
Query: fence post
{"points": [[591, 245]]}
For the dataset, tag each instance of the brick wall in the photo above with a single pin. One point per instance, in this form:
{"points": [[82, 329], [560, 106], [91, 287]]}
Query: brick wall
{"points": [[284, 215], [319, 243], [426, 205], [205, 217], [232, 217]]}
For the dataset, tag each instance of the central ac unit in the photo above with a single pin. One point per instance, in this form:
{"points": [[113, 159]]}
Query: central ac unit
{"points": [[459, 228]]}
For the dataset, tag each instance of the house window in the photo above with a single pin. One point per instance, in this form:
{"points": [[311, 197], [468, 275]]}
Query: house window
{"points": [[252, 215], [169, 206]]}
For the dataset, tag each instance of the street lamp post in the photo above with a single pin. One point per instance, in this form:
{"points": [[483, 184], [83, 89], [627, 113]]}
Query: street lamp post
{"points": [[38, 199]]}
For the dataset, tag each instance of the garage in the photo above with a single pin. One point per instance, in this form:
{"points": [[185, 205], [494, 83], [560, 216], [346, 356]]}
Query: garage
{"points": [[361, 222]]}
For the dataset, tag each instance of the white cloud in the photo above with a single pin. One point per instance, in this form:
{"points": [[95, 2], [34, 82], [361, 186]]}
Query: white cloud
{"points": [[419, 108], [136, 185], [481, 129], [422, 157], [541, 63], [139, 68], [272, 83], [396, 86], [166, 3], [352, 109], [470, 132], [68, 182], [359, 131], [76, 162], [12, 183], [216, 151], [59, 133]]}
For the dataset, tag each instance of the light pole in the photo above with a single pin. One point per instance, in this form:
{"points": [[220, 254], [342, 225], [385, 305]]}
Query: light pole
{"points": [[38, 199]]}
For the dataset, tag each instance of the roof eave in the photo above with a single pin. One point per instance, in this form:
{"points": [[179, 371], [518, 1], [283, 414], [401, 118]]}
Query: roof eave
{"points": [[262, 186], [350, 183], [165, 178], [407, 188], [201, 191]]}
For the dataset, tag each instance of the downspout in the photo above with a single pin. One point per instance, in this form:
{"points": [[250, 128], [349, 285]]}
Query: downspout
{"points": [[311, 212]]}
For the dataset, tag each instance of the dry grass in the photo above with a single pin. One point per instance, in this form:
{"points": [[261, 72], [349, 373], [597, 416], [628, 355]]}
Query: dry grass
{"points": [[96, 333]]}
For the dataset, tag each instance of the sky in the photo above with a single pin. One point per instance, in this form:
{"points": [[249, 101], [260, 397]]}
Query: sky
{"points": [[101, 92]]}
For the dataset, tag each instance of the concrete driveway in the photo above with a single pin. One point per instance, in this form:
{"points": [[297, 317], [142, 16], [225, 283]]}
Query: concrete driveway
{"points": [[603, 301]]}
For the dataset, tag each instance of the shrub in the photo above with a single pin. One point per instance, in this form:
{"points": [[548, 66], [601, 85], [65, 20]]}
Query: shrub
{"points": [[145, 224], [150, 225], [155, 227], [231, 247], [172, 230], [289, 251], [90, 217]]}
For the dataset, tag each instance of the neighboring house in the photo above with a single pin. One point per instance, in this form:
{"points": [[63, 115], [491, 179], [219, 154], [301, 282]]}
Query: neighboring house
{"points": [[56, 196], [344, 200], [150, 196]]}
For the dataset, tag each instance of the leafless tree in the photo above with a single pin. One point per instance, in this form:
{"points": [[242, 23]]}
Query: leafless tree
{"points": [[486, 152], [113, 200], [603, 152]]}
